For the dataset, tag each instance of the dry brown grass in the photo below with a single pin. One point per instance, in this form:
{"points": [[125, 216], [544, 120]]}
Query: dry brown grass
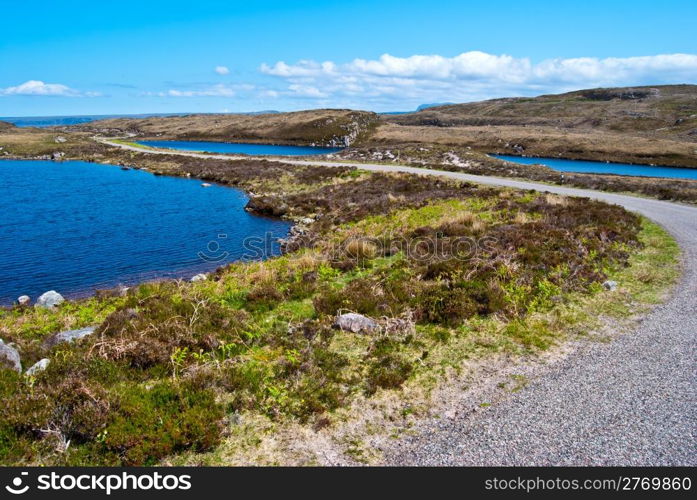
{"points": [[547, 142], [319, 125]]}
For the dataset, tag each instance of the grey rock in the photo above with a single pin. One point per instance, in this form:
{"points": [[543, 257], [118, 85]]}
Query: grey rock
{"points": [[9, 358], [60, 139], [356, 323], [610, 286], [23, 300], [37, 367], [68, 336], [57, 155], [50, 299], [199, 277]]}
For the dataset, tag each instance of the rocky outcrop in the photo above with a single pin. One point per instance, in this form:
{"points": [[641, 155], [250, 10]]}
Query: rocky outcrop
{"points": [[267, 205], [356, 323], [9, 358], [50, 299], [37, 367], [67, 336], [610, 286]]}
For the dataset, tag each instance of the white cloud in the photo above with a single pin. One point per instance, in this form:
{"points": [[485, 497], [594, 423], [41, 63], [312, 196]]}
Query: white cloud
{"points": [[218, 90], [306, 91], [391, 80], [37, 87], [222, 70]]}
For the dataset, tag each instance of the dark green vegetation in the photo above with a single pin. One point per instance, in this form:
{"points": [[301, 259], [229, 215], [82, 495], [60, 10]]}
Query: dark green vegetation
{"points": [[173, 364]]}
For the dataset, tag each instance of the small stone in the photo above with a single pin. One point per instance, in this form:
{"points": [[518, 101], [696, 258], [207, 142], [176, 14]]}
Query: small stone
{"points": [[23, 300], [37, 367], [199, 277], [68, 336], [356, 323], [9, 358], [60, 139], [49, 300], [610, 286]]}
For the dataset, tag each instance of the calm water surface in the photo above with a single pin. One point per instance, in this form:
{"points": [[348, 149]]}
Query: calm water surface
{"points": [[75, 226], [241, 148], [598, 167]]}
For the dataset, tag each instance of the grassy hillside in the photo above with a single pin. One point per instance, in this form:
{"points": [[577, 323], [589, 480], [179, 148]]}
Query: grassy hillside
{"points": [[645, 125], [668, 111], [331, 127]]}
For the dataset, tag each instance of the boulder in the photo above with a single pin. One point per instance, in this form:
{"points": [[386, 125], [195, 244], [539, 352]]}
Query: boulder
{"points": [[23, 300], [356, 323], [199, 277], [9, 358], [68, 336], [49, 300], [37, 367], [60, 139], [610, 286]]}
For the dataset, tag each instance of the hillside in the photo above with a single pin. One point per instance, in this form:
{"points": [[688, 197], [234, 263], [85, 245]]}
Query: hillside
{"points": [[330, 127], [668, 111]]}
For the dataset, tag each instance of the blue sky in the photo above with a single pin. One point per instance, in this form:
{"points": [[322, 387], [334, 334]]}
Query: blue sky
{"points": [[79, 57]]}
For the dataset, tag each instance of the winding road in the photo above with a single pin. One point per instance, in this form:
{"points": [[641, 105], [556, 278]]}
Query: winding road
{"points": [[632, 401]]}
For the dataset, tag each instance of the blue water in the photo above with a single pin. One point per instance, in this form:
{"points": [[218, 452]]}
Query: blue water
{"points": [[243, 148], [598, 167], [75, 226], [62, 121]]}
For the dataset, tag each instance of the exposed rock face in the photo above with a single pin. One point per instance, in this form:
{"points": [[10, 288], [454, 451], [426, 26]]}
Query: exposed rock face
{"points": [[356, 323], [23, 300], [267, 205], [610, 286], [199, 277], [9, 358], [68, 336], [39, 366], [50, 299]]}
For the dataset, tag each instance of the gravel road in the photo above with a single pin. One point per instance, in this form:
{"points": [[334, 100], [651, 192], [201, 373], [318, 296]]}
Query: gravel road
{"points": [[632, 401]]}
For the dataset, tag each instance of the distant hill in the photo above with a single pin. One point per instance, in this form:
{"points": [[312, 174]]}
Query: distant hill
{"points": [[433, 105], [330, 127], [668, 111]]}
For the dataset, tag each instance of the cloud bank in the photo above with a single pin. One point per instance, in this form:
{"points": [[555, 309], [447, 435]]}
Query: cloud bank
{"points": [[39, 88], [473, 75]]}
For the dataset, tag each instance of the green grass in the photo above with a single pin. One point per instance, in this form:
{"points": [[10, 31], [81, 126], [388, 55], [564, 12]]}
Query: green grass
{"points": [[173, 363]]}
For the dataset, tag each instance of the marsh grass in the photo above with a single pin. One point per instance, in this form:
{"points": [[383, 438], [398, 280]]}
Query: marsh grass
{"points": [[174, 367]]}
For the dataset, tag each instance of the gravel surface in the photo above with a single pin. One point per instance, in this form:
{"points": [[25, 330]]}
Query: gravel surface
{"points": [[632, 401]]}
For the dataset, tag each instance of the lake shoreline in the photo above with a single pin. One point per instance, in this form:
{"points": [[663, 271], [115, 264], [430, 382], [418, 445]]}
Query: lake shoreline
{"points": [[134, 278], [501, 156]]}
